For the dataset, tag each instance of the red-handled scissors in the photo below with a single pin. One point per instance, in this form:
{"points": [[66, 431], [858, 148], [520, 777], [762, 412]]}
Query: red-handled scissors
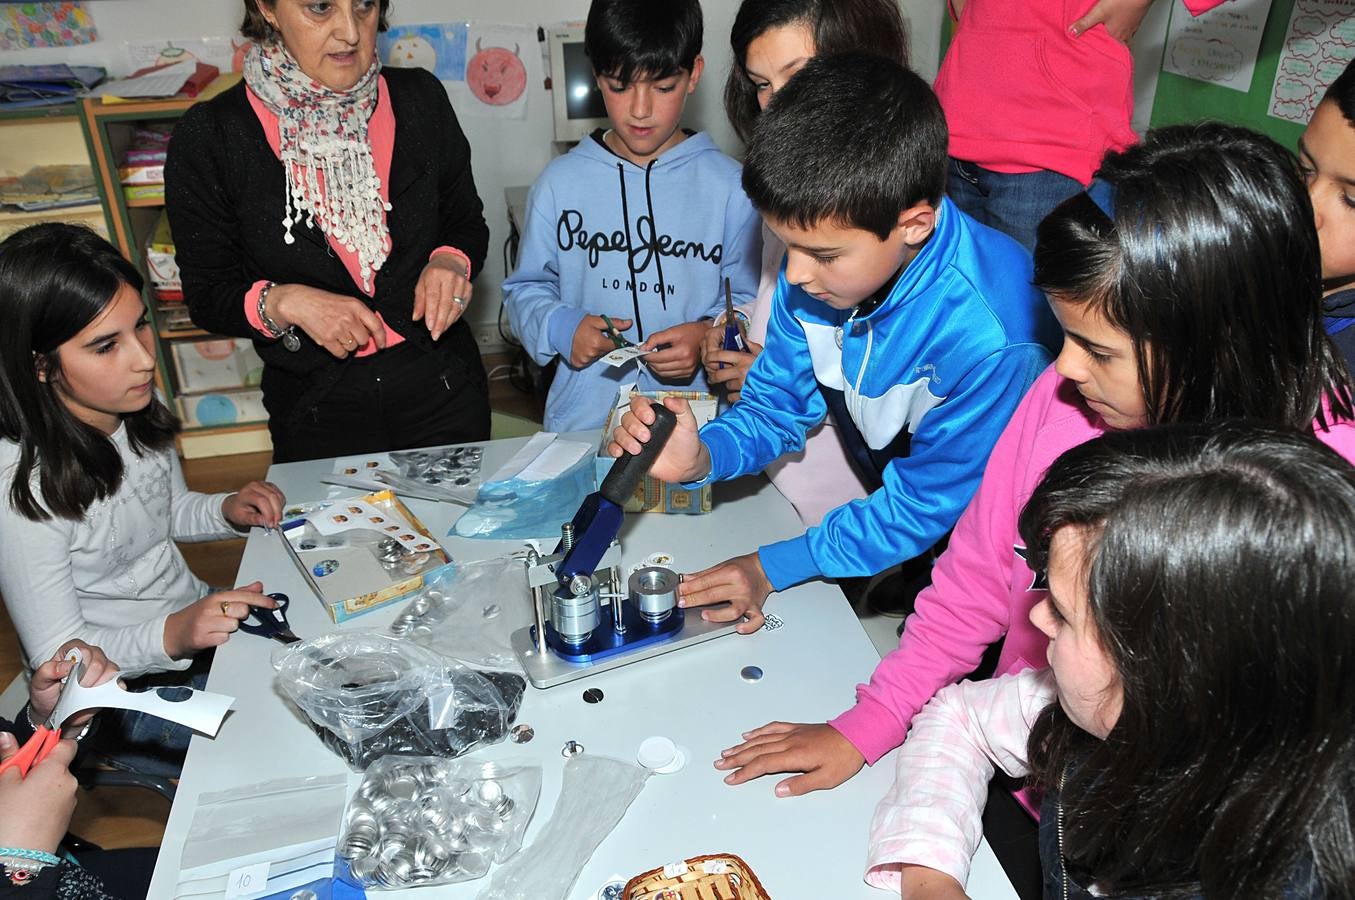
{"points": [[46, 735]]}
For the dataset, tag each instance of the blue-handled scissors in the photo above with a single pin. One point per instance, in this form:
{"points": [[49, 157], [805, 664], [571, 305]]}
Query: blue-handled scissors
{"points": [[270, 623]]}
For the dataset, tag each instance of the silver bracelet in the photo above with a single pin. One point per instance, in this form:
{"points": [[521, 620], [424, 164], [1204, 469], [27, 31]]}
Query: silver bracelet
{"points": [[273, 329]]}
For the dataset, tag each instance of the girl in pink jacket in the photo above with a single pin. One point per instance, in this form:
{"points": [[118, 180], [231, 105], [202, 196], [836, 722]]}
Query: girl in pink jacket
{"points": [[1187, 282]]}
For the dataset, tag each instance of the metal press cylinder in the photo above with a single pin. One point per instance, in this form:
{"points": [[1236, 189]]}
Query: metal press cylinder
{"points": [[574, 610], [653, 592]]}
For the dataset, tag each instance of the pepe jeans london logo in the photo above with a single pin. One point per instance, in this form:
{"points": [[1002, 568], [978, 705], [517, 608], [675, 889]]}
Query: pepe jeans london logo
{"points": [[643, 247]]}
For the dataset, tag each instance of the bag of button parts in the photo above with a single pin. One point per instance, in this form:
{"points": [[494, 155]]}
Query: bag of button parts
{"points": [[418, 821], [368, 695]]}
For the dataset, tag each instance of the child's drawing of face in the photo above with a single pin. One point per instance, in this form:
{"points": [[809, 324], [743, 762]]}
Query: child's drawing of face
{"points": [[1327, 161], [1089, 686]]}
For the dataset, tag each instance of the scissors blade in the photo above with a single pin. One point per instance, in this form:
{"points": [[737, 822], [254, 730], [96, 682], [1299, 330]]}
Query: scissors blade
{"points": [[729, 303]]}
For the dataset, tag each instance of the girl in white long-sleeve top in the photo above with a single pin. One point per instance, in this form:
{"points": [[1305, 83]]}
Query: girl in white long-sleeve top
{"points": [[1195, 732]]}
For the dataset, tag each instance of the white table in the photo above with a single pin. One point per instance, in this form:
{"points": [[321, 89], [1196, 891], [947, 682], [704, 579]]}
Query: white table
{"points": [[812, 846]]}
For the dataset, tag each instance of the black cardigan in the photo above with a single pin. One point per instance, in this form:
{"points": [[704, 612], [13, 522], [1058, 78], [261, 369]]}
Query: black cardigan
{"points": [[224, 189]]}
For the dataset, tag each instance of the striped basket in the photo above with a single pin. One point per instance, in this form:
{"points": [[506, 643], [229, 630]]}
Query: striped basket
{"points": [[720, 876]]}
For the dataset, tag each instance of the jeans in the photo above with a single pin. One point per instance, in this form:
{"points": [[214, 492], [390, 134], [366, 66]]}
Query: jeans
{"points": [[1013, 204]]}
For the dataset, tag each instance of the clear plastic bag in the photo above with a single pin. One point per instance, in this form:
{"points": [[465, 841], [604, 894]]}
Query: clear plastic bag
{"points": [[595, 794], [368, 695], [521, 509], [421, 821], [469, 612]]}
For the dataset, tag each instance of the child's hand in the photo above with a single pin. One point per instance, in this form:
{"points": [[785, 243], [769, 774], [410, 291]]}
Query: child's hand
{"points": [[591, 341], [1121, 18], [257, 503], [922, 883], [45, 687], [819, 751], [740, 580], [684, 457], [735, 371], [37, 807], [679, 361], [210, 621]]}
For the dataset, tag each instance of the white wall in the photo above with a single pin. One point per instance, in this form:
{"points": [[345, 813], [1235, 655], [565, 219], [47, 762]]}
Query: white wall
{"points": [[506, 152]]}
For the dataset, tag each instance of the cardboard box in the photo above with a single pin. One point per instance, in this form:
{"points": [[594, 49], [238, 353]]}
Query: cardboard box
{"points": [[343, 568], [653, 495]]}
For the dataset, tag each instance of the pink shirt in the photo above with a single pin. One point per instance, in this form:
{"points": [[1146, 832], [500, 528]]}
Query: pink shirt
{"points": [[981, 585], [1022, 94], [933, 813], [381, 134]]}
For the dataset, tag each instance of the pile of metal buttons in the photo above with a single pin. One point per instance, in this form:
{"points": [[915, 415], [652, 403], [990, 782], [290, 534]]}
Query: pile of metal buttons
{"points": [[419, 617], [417, 821], [397, 559], [441, 465]]}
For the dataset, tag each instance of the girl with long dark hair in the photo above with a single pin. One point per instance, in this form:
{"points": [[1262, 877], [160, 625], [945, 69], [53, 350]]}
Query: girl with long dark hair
{"points": [[1195, 731]]}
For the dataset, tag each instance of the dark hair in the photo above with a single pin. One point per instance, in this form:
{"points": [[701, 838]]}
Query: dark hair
{"points": [[630, 39], [1342, 92], [851, 139], [54, 280], [1212, 261], [838, 26], [1222, 587], [256, 27]]}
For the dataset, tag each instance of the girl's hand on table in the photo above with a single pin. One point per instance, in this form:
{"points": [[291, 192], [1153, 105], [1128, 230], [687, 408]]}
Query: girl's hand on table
{"points": [[442, 293], [257, 503], [342, 325], [826, 758], [210, 621]]}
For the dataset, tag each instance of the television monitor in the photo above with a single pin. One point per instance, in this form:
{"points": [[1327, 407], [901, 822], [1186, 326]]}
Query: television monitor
{"points": [[575, 96]]}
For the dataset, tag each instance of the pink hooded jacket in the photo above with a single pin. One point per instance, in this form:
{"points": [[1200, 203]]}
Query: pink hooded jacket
{"points": [[1021, 93], [981, 586]]}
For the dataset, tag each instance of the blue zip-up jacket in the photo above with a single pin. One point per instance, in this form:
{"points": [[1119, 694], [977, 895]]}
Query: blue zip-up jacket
{"points": [[604, 236], [928, 379]]}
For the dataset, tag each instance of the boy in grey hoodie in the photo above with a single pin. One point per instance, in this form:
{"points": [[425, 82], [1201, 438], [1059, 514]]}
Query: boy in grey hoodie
{"points": [[638, 225]]}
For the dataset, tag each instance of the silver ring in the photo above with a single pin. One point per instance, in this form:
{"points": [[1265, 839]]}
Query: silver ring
{"points": [[459, 302]]}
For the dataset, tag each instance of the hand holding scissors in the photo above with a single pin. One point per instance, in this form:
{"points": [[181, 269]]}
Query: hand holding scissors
{"points": [[75, 662], [270, 623]]}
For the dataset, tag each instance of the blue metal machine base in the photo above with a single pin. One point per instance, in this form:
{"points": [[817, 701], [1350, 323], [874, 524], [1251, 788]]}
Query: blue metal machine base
{"points": [[605, 642]]}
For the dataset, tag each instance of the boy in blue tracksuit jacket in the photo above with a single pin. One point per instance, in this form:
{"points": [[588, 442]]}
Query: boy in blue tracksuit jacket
{"points": [[640, 224], [911, 324]]}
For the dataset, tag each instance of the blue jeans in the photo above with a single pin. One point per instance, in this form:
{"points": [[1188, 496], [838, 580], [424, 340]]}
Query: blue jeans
{"points": [[1014, 204]]}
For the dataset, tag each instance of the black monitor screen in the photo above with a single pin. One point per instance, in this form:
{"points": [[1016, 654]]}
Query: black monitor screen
{"points": [[583, 100]]}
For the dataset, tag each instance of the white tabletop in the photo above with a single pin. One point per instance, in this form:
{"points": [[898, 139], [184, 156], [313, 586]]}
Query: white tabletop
{"points": [[811, 846]]}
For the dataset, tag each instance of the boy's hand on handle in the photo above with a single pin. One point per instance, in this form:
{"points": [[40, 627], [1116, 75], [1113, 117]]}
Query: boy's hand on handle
{"points": [[681, 358], [684, 457], [922, 883], [740, 581], [591, 340], [37, 807], [210, 621], [257, 503], [342, 325], [819, 751], [44, 689], [1122, 18], [735, 371], [441, 284]]}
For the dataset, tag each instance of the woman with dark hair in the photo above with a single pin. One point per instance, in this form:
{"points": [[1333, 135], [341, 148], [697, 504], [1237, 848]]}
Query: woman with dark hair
{"points": [[325, 208], [1186, 282], [92, 498], [1195, 732], [772, 40], [1327, 161]]}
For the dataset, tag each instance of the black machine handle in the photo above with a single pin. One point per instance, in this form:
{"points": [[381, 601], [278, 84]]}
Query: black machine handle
{"points": [[628, 471]]}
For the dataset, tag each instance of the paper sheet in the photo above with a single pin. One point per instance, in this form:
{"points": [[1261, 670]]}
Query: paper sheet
{"points": [[163, 82], [1318, 44], [1220, 46]]}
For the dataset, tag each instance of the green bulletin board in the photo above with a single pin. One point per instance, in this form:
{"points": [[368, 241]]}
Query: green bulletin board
{"points": [[1181, 99]]}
